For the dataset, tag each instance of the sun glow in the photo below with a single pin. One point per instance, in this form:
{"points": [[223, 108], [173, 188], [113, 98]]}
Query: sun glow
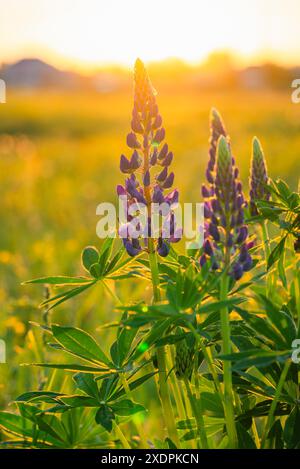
{"points": [[87, 33]]}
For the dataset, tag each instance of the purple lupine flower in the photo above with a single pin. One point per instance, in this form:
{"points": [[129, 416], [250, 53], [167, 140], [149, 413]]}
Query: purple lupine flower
{"points": [[258, 177], [148, 167], [225, 233]]}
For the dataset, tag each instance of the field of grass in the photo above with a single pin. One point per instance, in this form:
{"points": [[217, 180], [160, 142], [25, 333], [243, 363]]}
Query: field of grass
{"points": [[59, 158]]}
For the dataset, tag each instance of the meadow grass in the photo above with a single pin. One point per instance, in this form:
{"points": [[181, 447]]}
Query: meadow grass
{"points": [[59, 158]]}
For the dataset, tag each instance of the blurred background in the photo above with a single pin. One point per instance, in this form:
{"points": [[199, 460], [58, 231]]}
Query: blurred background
{"points": [[68, 72]]}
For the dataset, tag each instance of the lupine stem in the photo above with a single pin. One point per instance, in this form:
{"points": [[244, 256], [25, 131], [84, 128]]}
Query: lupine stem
{"points": [[207, 357], [161, 355], [121, 436], [272, 410], [227, 372], [266, 243], [130, 396], [197, 410]]}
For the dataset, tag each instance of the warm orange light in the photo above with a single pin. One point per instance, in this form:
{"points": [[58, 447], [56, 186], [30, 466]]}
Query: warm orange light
{"points": [[88, 33]]}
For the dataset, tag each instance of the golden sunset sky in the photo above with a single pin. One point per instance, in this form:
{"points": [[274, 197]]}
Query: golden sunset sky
{"points": [[88, 33]]}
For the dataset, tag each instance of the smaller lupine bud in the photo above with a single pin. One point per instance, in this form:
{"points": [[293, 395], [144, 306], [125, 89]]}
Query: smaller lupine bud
{"points": [[242, 235], [237, 271], [169, 181], [124, 164], [232, 221], [163, 248], [157, 122], [258, 177], [132, 141], [250, 245], [216, 205], [207, 211], [209, 176], [207, 248], [243, 253], [158, 196], [162, 175], [172, 198], [240, 217], [137, 126], [240, 201], [132, 247], [202, 260], [168, 159], [211, 165], [248, 264], [146, 178], [214, 232], [135, 161], [160, 135], [153, 158], [215, 265], [163, 152], [121, 190], [229, 241], [205, 192], [184, 360]]}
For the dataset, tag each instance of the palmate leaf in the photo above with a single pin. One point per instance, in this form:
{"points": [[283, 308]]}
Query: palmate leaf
{"points": [[51, 425], [16, 424], [126, 407], [73, 367], [80, 401], [39, 396], [264, 328], [81, 343], [276, 253], [89, 256], [255, 357], [21, 427], [105, 417], [63, 296], [58, 280], [87, 384]]}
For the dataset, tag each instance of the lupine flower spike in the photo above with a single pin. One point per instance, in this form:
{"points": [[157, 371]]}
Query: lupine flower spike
{"points": [[258, 177], [148, 167], [226, 235]]}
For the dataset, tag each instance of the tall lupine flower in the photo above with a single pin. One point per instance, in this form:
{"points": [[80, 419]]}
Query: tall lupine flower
{"points": [[258, 177], [225, 234], [148, 168]]}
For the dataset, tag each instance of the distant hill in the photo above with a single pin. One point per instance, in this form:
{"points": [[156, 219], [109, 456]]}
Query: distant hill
{"points": [[34, 73]]}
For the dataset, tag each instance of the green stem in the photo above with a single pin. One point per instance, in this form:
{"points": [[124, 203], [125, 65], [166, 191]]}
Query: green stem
{"points": [[176, 391], [161, 356], [121, 436], [197, 410], [270, 419], [227, 372], [207, 357], [137, 426], [266, 244]]}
